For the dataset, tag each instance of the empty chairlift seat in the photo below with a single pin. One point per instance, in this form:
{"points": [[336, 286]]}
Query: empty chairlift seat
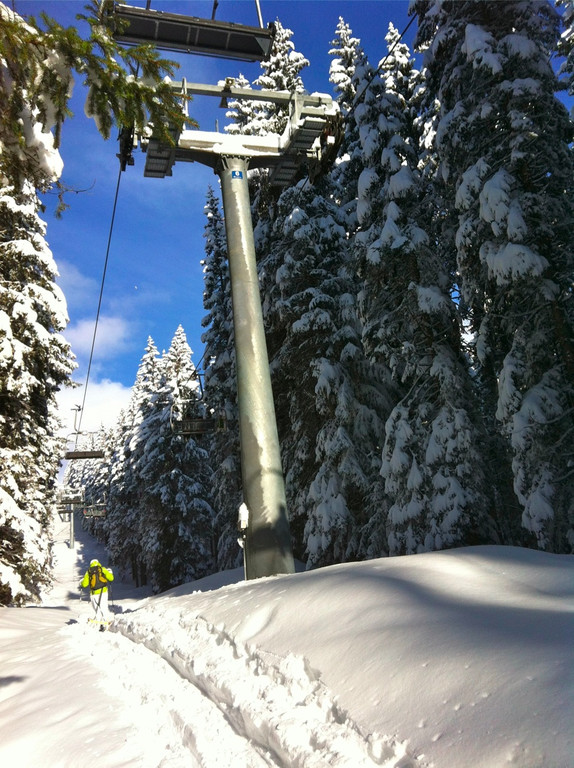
{"points": [[174, 32]]}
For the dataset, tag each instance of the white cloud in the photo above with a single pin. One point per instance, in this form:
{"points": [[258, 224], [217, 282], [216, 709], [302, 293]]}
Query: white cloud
{"points": [[112, 338], [104, 401], [78, 289]]}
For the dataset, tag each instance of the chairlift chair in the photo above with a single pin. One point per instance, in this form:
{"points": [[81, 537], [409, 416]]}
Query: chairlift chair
{"points": [[189, 34], [99, 454], [95, 508], [70, 496], [66, 500], [196, 425], [75, 453]]}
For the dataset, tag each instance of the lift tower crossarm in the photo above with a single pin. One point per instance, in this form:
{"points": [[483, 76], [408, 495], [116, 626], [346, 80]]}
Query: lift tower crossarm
{"points": [[251, 94], [309, 129]]}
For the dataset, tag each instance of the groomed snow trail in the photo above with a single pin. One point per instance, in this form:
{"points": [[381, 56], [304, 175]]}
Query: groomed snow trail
{"points": [[275, 711]]}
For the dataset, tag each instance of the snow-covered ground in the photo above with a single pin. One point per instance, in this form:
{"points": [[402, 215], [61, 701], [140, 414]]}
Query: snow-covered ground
{"points": [[458, 659]]}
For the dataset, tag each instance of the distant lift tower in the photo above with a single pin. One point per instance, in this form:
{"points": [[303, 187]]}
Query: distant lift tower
{"points": [[309, 134]]}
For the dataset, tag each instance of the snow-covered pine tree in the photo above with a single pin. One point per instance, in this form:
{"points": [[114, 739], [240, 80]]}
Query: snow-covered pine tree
{"points": [[35, 361], [221, 387], [34, 358], [281, 72], [431, 465], [346, 53], [243, 112], [327, 406], [125, 449], [38, 60], [292, 352], [282, 68], [176, 519], [503, 141], [566, 42], [348, 72]]}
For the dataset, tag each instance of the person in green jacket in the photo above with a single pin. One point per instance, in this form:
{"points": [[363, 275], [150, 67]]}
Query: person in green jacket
{"points": [[97, 578]]}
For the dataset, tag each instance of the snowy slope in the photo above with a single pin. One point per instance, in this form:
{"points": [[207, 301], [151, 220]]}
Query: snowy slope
{"points": [[453, 660]]}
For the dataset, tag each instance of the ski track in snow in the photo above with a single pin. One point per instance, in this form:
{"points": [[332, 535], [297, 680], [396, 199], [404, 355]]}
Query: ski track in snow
{"points": [[273, 712], [183, 722]]}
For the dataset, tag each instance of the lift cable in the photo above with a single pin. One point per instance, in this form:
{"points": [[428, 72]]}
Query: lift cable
{"points": [[124, 159], [99, 301]]}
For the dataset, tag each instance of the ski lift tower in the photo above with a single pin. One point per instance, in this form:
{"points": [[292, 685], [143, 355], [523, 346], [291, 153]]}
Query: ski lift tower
{"points": [[309, 133]]}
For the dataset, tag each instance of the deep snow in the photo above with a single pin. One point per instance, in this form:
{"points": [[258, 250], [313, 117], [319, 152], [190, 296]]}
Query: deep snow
{"points": [[456, 659]]}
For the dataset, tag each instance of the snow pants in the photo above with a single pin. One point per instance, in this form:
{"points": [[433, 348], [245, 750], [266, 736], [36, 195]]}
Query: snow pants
{"points": [[100, 605]]}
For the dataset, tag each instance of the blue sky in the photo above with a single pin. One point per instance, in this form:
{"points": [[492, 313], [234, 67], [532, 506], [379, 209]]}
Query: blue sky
{"points": [[154, 276]]}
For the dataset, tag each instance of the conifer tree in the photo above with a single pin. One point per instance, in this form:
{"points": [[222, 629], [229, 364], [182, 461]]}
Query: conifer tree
{"points": [[503, 142], [347, 56], [221, 387], [125, 449], [36, 65], [242, 112], [38, 61], [281, 72], [327, 408], [175, 525], [35, 361], [430, 463], [566, 42], [348, 73]]}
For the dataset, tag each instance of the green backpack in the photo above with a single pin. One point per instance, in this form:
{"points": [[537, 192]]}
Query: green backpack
{"points": [[97, 580]]}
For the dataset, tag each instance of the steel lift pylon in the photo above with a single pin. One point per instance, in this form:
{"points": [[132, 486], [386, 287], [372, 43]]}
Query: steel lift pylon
{"points": [[309, 133]]}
